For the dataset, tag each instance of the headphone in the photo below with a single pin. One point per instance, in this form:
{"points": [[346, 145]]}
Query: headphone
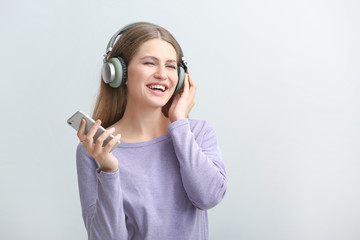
{"points": [[114, 71]]}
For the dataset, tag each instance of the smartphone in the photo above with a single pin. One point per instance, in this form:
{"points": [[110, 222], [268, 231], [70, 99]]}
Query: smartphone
{"points": [[74, 121]]}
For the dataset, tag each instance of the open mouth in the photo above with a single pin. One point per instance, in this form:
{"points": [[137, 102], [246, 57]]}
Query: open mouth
{"points": [[157, 87]]}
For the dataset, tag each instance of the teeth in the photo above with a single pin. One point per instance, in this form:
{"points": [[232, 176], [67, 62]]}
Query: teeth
{"points": [[161, 87]]}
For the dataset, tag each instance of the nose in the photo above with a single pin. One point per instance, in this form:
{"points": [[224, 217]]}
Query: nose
{"points": [[160, 73]]}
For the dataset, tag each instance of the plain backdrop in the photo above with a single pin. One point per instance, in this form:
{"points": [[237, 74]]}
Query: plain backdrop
{"points": [[279, 80]]}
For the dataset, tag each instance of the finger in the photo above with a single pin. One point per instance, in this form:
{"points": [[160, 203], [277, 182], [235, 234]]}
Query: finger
{"points": [[90, 135], [100, 140], [191, 81], [186, 84], [192, 90], [112, 143], [81, 130], [93, 129]]}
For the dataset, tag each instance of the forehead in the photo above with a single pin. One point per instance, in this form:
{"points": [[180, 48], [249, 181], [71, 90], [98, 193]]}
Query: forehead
{"points": [[157, 48]]}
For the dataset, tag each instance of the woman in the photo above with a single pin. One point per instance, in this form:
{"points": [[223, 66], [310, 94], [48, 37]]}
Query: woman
{"points": [[168, 170]]}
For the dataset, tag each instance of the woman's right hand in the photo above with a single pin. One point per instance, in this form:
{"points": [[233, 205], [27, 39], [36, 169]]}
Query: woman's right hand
{"points": [[108, 162]]}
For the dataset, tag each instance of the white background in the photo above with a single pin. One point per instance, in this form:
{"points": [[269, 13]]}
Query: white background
{"points": [[279, 80]]}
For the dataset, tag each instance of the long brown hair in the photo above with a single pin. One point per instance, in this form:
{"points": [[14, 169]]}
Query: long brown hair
{"points": [[111, 102]]}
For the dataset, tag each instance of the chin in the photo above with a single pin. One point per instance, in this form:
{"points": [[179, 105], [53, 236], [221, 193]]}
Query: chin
{"points": [[159, 102]]}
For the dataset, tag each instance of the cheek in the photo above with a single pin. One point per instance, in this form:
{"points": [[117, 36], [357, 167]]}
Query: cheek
{"points": [[174, 78], [132, 80], [134, 76], [131, 73]]}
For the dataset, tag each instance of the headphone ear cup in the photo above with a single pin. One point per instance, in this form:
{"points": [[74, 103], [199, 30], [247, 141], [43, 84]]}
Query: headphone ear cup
{"points": [[114, 72], [181, 77]]}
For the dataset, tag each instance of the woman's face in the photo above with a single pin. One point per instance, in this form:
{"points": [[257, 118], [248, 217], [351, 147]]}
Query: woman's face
{"points": [[152, 74]]}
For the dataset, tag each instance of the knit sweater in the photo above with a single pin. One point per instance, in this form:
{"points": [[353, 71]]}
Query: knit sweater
{"points": [[161, 190]]}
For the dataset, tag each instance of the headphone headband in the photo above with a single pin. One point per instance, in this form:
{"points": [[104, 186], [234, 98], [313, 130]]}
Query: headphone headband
{"points": [[114, 70], [113, 39], [122, 30]]}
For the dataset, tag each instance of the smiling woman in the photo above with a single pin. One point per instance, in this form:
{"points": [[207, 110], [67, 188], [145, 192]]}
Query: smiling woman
{"points": [[152, 72], [168, 170], [111, 102]]}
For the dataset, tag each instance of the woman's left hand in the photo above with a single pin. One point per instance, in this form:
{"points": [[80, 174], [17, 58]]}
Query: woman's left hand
{"points": [[184, 101]]}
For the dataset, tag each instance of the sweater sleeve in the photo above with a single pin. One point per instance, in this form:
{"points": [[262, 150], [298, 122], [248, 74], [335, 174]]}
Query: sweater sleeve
{"points": [[201, 166], [101, 199]]}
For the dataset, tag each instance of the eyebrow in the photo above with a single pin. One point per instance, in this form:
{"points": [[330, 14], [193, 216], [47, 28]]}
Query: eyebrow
{"points": [[156, 59]]}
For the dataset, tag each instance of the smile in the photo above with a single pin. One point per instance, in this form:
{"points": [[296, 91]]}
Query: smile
{"points": [[157, 87]]}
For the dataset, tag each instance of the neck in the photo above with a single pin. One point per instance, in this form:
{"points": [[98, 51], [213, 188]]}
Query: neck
{"points": [[141, 123]]}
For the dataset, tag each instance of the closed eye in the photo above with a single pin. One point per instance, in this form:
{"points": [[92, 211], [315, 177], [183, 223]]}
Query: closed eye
{"points": [[149, 63], [171, 66]]}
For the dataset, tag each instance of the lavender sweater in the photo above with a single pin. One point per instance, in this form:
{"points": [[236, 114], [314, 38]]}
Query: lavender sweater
{"points": [[162, 189]]}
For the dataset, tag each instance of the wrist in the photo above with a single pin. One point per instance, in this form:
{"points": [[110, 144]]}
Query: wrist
{"points": [[108, 170], [109, 167], [176, 118]]}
